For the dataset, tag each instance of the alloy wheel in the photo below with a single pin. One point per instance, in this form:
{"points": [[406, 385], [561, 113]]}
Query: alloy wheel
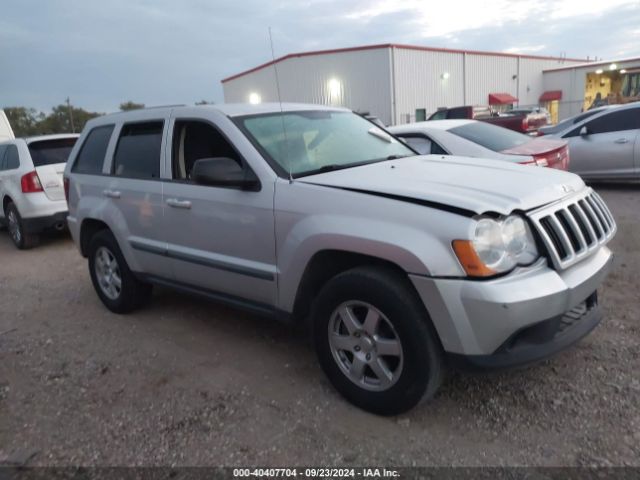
{"points": [[14, 227], [107, 273], [365, 345]]}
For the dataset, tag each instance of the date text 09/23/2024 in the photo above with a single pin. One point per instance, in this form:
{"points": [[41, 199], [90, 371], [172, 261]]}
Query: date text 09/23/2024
{"points": [[315, 472]]}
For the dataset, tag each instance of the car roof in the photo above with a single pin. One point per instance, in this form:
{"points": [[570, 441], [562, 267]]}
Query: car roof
{"points": [[429, 124], [239, 109], [228, 109], [60, 136]]}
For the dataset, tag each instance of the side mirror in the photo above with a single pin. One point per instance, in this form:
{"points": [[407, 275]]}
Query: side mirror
{"points": [[223, 172], [584, 131]]}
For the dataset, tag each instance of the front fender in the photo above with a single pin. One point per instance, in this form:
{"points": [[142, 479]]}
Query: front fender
{"points": [[415, 238]]}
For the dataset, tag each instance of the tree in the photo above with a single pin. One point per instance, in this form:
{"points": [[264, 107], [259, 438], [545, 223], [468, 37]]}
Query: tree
{"points": [[24, 121], [59, 120], [129, 105]]}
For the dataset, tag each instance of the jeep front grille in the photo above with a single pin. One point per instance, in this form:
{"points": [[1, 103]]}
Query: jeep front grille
{"points": [[574, 228]]}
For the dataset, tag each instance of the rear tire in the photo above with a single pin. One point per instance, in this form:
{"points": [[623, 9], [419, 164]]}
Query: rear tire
{"points": [[375, 340], [15, 226], [114, 282]]}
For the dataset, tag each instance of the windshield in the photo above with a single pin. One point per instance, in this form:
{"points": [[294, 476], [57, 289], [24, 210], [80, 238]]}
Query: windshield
{"points": [[49, 152], [303, 143], [490, 136]]}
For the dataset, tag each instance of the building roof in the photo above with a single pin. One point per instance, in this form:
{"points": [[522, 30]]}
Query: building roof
{"points": [[399, 46], [593, 64]]}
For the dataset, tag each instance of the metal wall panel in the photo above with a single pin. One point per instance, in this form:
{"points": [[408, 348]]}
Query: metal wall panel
{"points": [[572, 86], [365, 79], [489, 74], [420, 83], [359, 80]]}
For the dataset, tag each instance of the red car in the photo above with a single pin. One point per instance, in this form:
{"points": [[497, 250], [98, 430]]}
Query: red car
{"points": [[520, 120]]}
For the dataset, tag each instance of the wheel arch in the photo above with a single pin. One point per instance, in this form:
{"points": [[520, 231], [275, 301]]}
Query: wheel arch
{"points": [[89, 227], [5, 203], [326, 264]]}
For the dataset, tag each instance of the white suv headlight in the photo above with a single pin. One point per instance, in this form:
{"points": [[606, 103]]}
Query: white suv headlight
{"points": [[497, 246]]}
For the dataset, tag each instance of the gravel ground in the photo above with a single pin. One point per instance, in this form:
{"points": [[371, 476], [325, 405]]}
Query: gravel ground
{"points": [[188, 382]]}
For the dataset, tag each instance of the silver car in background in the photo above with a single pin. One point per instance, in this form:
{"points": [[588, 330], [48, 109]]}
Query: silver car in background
{"points": [[604, 144]]}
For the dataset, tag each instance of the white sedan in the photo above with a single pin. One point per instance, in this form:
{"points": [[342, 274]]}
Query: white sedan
{"points": [[472, 138]]}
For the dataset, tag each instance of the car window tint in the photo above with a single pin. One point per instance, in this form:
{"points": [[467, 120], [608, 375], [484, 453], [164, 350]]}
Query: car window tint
{"points": [[420, 144], [93, 150], [50, 152], [628, 119], [439, 115], [138, 151], [490, 136], [3, 149], [12, 158], [195, 140], [458, 113]]}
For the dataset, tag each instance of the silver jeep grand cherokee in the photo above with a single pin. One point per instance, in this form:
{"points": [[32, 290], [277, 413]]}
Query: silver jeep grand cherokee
{"points": [[402, 264]]}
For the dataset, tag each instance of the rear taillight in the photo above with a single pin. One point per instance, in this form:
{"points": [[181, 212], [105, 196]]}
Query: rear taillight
{"points": [[66, 188], [30, 183], [539, 161]]}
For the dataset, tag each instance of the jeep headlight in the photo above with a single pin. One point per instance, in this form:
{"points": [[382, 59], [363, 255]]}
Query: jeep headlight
{"points": [[498, 246]]}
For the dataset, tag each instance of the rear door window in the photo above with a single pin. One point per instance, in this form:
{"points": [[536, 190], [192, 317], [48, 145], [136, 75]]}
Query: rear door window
{"points": [[138, 151], [11, 158], [91, 156], [51, 152], [3, 149]]}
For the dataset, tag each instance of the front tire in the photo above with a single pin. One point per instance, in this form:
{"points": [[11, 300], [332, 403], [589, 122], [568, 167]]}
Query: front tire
{"points": [[375, 340], [15, 225], [115, 284]]}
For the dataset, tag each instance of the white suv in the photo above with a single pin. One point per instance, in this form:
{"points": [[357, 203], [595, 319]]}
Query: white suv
{"points": [[31, 186]]}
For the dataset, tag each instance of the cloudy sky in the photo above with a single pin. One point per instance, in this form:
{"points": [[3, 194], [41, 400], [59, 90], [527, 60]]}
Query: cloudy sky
{"points": [[101, 53]]}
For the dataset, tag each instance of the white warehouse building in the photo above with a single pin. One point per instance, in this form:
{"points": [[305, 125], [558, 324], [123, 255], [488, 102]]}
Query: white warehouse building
{"points": [[397, 83]]}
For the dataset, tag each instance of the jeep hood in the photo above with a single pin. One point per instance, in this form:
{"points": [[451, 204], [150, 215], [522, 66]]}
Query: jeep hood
{"points": [[472, 184]]}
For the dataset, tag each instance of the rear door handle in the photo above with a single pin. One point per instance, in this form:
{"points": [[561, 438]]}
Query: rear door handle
{"points": [[174, 202], [111, 193], [622, 140]]}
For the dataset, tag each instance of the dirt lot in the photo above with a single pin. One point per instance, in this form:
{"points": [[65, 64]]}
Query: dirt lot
{"points": [[185, 381]]}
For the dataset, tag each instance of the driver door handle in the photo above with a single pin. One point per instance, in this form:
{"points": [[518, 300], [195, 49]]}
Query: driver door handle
{"points": [[622, 140], [175, 203]]}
